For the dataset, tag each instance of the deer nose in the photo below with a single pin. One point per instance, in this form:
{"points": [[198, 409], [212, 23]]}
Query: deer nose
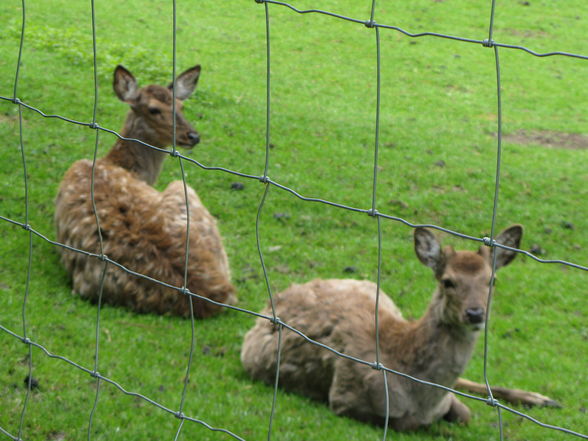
{"points": [[194, 138], [475, 315]]}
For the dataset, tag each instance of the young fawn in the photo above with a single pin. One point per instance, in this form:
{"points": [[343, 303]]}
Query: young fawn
{"points": [[435, 348], [141, 228]]}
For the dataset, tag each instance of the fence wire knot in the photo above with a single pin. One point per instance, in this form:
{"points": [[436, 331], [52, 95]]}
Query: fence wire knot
{"points": [[174, 153], [26, 341], [265, 179], [103, 257], [370, 24], [372, 212], [27, 227], [491, 401], [488, 43], [259, 1], [276, 321], [489, 242], [16, 101], [185, 291], [180, 415], [95, 374], [93, 125], [377, 366]]}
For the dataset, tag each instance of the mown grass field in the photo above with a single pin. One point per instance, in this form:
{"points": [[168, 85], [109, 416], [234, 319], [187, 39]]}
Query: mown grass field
{"points": [[436, 165]]}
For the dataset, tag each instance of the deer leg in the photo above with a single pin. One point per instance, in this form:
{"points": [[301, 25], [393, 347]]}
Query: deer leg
{"points": [[513, 396], [458, 412]]}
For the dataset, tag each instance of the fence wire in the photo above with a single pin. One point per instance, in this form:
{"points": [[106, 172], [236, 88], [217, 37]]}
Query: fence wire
{"points": [[372, 25]]}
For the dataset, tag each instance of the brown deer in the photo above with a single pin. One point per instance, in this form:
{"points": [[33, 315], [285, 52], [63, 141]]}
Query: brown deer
{"points": [[141, 228], [340, 314]]}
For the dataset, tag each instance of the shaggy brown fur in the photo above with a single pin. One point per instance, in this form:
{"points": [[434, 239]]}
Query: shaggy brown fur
{"points": [[142, 229], [340, 314]]}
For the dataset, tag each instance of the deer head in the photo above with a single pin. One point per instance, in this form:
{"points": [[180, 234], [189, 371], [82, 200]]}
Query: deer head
{"points": [[464, 276], [151, 116]]}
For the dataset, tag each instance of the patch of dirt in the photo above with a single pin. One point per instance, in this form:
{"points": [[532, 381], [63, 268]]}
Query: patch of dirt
{"points": [[547, 138], [12, 119], [525, 33], [56, 436]]}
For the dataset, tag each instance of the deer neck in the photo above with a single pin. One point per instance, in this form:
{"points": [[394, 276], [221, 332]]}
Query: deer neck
{"points": [[139, 159], [433, 350]]}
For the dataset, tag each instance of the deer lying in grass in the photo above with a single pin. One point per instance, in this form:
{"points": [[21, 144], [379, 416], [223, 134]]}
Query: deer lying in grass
{"points": [[143, 229], [340, 314]]}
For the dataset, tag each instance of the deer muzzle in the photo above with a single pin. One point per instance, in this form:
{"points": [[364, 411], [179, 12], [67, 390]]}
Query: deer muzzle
{"points": [[475, 316], [194, 138]]}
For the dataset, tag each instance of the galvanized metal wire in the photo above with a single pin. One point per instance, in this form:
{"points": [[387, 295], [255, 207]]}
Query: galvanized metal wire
{"points": [[267, 182], [30, 236], [494, 213], [188, 216]]}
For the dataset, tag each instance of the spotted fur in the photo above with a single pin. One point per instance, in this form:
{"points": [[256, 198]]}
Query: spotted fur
{"points": [[142, 229]]}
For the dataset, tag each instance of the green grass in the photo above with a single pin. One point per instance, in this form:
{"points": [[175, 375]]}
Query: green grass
{"points": [[438, 104]]}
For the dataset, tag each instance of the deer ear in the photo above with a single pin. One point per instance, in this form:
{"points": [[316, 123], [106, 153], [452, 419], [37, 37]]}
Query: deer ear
{"points": [[511, 237], [124, 84], [186, 82], [427, 248]]}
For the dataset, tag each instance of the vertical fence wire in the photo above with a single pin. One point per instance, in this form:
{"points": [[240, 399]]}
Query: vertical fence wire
{"points": [[492, 236], [180, 427], [26, 340], [29, 380], [97, 219], [275, 319], [189, 298], [20, 48], [180, 413], [387, 408], [372, 12], [173, 89], [377, 324], [374, 212], [268, 90], [266, 181], [97, 353], [101, 285], [500, 423], [276, 383], [491, 399]]}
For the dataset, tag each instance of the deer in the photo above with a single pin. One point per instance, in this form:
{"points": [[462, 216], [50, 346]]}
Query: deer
{"points": [[434, 348], [141, 228]]}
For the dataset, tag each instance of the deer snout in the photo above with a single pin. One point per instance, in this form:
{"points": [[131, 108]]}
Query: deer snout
{"points": [[194, 138], [475, 316]]}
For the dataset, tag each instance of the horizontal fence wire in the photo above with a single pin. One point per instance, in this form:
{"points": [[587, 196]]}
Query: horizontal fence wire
{"points": [[267, 182], [371, 23]]}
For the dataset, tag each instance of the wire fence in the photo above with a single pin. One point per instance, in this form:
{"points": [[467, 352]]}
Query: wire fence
{"points": [[371, 26]]}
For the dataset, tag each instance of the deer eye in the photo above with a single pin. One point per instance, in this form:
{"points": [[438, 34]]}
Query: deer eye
{"points": [[448, 283], [154, 111]]}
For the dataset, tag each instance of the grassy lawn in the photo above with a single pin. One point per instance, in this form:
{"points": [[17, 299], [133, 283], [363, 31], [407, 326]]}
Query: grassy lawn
{"points": [[436, 165]]}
